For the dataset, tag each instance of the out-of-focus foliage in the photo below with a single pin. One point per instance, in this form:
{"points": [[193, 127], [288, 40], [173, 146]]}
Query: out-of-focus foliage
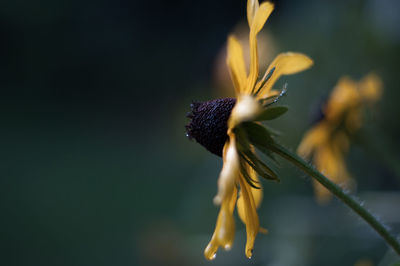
{"points": [[96, 169]]}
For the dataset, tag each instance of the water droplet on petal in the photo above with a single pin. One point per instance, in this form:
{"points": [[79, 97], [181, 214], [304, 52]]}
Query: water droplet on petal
{"points": [[227, 247], [213, 256]]}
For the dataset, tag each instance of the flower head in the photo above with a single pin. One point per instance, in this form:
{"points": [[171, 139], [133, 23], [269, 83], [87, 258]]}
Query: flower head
{"points": [[238, 182], [328, 140]]}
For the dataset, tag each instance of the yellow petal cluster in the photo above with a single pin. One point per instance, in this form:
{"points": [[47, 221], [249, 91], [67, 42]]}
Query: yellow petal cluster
{"points": [[233, 189], [327, 142]]}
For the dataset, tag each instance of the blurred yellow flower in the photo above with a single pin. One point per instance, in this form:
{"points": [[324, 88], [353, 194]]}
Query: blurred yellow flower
{"points": [[238, 182], [328, 140]]}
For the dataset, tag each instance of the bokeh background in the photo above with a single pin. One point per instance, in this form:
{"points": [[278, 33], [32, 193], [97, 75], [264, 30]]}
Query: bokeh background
{"points": [[95, 165]]}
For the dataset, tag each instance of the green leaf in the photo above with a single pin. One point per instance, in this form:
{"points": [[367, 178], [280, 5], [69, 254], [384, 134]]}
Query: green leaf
{"points": [[262, 170], [242, 139], [271, 113], [245, 133], [254, 162], [247, 177], [256, 133], [260, 137]]}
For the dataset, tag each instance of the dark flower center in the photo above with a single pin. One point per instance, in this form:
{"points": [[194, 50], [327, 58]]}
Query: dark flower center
{"points": [[208, 124]]}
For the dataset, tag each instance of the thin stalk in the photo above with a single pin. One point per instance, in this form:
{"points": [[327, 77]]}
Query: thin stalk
{"points": [[338, 192]]}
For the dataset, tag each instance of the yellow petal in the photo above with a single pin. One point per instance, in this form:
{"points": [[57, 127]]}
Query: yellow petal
{"points": [[322, 195], [329, 160], [313, 138], [285, 64], [260, 17], [273, 93], [224, 232], [236, 64], [252, 7], [344, 96], [353, 119], [257, 195], [230, 170], [326, 164], [250, 216], [371, 87], [341, 141], [246, 108]]}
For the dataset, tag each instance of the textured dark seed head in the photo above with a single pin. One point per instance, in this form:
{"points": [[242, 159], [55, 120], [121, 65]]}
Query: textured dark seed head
{"points": [[208, 124]]}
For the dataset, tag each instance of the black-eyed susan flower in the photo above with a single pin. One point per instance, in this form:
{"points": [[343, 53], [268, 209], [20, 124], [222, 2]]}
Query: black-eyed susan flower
{"points": [[328, 140], [229, 128]]}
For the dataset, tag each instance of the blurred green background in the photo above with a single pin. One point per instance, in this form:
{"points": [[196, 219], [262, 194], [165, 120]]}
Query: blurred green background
{"points": [[95, 165]]}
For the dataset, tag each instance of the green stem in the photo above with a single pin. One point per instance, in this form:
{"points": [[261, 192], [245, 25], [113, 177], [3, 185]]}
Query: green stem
{"points": [[338, 192]]}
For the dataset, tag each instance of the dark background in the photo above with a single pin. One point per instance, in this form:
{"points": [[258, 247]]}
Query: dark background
{"points": [[95, 165]]}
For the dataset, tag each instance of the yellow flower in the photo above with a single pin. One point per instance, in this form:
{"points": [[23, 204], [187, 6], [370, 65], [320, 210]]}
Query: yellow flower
{"points": [[328, 141], [225, 128]]}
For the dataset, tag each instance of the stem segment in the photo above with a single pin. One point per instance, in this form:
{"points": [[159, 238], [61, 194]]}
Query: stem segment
{"points": [[338, 192]]}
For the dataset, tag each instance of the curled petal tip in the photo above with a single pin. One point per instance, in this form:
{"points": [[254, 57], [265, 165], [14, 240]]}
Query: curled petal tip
{"points": [[212, 257], [210, 252], [217, 200], [249, 253], [310, 61]]}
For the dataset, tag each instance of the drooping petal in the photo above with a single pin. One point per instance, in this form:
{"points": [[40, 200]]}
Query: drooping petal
{"points": [[344, 96], [322, 195], [230, 170], [353, 119], [313, 138], [330, 162], [246, 108], [256, 193], [341, 142], [328, 165], [250, 217], [260, 17], [252, 7], [285, 64], [236, 64], [224, 232], [371, 87]]}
